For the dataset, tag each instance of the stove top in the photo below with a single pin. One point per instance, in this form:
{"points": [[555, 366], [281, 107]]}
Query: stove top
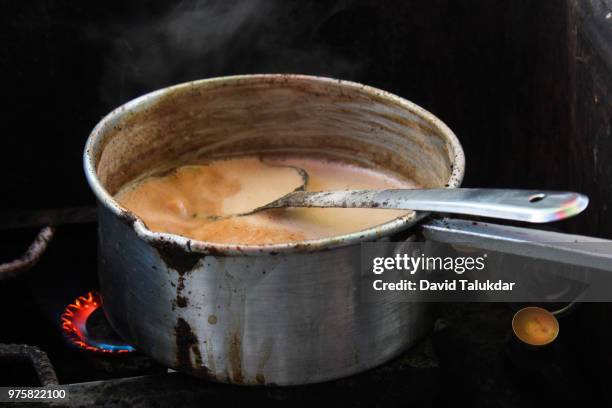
{"points": [[469, 356]]}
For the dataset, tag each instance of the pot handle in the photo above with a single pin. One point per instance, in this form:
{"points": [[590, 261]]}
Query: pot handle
{"points": [[538, 244]]}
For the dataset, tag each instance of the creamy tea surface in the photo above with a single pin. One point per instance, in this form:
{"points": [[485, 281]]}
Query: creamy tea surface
{"points": [[186, 200]]}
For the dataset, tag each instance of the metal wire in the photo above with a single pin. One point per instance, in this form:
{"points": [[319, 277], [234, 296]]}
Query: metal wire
{"points": [[35, 356], [30, 257]]}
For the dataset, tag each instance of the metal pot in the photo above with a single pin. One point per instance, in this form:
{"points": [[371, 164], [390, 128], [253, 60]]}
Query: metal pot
{"points": [[273, 314]]}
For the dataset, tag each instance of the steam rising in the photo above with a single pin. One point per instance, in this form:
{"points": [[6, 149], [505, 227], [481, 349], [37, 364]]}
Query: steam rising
{"points": [[206, 38]]}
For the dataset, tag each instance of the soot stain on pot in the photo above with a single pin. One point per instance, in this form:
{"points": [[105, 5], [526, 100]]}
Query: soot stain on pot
{"points": [[176, 257], [186, 344], [180, 300], [128, 218]]}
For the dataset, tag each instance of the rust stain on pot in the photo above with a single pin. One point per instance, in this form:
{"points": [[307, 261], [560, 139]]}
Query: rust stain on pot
{"points": [[179, 288], [264, 356], [214, 251], [187, 344], [212, 319], [180, 300], [235, 358]]}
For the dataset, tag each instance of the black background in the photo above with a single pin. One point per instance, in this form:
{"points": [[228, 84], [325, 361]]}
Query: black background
{"points": [[519, 82], [494, 71]]}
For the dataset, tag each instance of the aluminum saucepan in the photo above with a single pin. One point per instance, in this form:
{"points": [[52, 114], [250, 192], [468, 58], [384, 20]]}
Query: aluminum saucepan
{"points": [[279, 314]]}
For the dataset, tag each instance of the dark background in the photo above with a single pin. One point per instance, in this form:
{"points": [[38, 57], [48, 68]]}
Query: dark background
{"points": [[502, 74], [524, 84]]}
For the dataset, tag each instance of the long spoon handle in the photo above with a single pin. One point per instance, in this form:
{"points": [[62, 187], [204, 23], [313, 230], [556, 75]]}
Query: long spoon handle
{"points": [[520, 205]]}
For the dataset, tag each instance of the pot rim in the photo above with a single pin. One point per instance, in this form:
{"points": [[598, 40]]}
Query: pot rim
{"points": [[95, 144]]}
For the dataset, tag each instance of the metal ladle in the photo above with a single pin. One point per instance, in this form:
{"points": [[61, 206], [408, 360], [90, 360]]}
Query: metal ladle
{"points": [[536, 206]]}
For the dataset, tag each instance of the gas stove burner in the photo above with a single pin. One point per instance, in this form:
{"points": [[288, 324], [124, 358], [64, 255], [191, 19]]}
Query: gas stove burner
{"points": [[74, 326]]}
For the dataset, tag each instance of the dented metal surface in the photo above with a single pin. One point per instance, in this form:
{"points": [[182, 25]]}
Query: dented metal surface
{"points": [[258, 314]]}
